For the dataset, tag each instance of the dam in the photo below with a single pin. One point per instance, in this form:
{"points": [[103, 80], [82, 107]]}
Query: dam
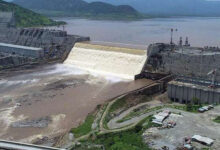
{"points": [[115, 61], [42, 102]]}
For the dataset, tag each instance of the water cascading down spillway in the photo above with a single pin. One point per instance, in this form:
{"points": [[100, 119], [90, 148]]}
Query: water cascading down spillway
{"points": [[115, 61]]}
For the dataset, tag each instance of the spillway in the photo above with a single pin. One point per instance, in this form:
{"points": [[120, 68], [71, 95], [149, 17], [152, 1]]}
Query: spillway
{"points": [[115, 61]]}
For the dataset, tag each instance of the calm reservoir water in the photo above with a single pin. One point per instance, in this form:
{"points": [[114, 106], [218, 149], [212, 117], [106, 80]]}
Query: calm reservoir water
{"points": [[201, 31]]}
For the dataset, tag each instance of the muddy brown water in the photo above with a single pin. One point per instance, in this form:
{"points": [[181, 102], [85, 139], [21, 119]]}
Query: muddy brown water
{"points": [[26, 96]]}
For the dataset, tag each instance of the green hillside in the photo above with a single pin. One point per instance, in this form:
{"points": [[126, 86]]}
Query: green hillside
{"points": [[25, 17], [80, 8]]}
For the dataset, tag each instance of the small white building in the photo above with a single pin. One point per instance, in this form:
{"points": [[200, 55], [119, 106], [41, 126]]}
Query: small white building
{"points": [[160, 117], [203, 140]]}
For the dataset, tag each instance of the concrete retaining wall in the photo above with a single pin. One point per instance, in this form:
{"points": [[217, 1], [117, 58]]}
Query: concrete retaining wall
{"points": [[43, 38], [185, 61], [22, 50], [154, 88], [194, 65], [56, 43], [185, 94], [10, 61]]}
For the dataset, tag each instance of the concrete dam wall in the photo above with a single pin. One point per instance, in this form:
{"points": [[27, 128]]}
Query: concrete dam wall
{"points": [[55, 43], [184, 61], [116, 61], [37, 44]]}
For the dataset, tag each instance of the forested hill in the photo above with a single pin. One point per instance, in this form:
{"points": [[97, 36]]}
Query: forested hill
{"points": [[25, 17], [80, 8], [208, 8]]}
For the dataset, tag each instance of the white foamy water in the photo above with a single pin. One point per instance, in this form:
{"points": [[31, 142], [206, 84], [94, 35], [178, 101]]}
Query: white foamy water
{"points": [[104, 78], [17, 82], [6, 118], [102, 61], [47, 73], [60, 69]]}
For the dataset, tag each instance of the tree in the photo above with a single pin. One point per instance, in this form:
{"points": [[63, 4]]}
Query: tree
{"points": [[189, 107], [195, 100]]}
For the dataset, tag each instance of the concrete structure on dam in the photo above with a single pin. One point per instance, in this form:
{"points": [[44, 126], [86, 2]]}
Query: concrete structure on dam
{"points": [[22, 50], [184, 60], [22, 43], [7, 20], [183, 92], [55, 43], [196, 70], [44, 38]]}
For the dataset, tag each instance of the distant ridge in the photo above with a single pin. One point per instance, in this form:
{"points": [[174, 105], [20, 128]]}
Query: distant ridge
{"points": [[25, 17], [206, 8], [80, 8]]}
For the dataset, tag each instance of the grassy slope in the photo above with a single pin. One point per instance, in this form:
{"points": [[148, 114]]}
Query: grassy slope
{"points": [[25, 17], [217, 119], [85, 127], [125, 140]]}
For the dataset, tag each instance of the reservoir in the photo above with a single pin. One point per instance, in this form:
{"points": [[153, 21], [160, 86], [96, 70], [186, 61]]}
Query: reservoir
{"points": [[201, 31]]}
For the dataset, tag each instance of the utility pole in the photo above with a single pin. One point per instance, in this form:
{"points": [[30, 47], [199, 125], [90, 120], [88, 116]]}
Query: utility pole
{"points": [[201, 62], [181, 42], [63, 28], [171, 38], [187, 42]]}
